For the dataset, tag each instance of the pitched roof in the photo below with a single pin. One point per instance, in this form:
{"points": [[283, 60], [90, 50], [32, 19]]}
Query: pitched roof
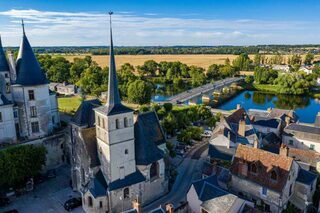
{"points": [[84, 115], [113, 105], [98, 185], [307, 156], [282, 113], [265, 162], [129, 180], [306, 177], [266, 122], [147, 134], [157, 210], [221, 152], [3, 60], [303, 128], [28, 69]]}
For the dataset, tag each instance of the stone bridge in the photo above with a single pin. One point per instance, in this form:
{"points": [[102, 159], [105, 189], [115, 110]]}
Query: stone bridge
{"points": [[194, 94]]}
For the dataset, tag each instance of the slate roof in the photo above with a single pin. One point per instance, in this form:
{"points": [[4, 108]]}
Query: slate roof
{"points": [[307, 156], [4, 100], [266, 122], [3, 60], [157, 210], [129, 180], [147, 134], [28, 69], [306, 177], [266, 162], [221, 152], [113, 105], [271, 142], [98, 186], [84, 115], [303, 128], [282, 113]]}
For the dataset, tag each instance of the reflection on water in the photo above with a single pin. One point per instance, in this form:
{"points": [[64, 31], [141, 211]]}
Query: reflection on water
{"points": [[306, 107], [163, 91]]}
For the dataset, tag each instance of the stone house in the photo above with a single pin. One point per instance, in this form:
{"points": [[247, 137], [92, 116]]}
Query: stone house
{"points": [[63, 88], [265, 178], [116, 157], [307, 159], [302, 137], [206, 196]]}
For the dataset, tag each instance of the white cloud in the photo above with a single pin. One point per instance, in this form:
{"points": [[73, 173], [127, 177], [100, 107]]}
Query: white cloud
{"points": [[91, 28]]}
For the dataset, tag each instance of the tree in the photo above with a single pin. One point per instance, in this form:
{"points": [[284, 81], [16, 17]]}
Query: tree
{"points": [[263, 75], [308, 59], [78, 66], [139, 92], [197, 75], [213, 72], [249, 79], [257, 59], [242, 62], [169, 124], [45, 62], [295, 60], [59, 71], [19, 163], [167, 107], [149, 67]]}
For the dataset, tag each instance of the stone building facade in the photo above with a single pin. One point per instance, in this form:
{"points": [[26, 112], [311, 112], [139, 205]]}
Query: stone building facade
{"points": [[117, 156]]}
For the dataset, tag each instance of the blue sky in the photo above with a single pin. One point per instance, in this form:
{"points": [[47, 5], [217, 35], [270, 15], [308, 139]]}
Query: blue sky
{"points": [[155, 22]]}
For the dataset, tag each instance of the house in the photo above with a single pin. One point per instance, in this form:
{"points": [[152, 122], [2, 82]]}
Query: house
{"points": [[307, 159], [265, 178], [306, 69], [118, 157], [63, 88], [265, 125], [205, 196], [302, 136], [280, 67]]}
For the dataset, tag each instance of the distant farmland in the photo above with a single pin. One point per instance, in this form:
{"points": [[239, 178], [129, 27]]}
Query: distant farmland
{"points": [[199, 60]]}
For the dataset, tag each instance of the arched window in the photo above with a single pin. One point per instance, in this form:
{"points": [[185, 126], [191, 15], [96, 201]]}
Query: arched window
{"points": [[126, 122], [274, 175], [117, 124], [126, 193], [90, 203], [154, 170], [253, 168]]}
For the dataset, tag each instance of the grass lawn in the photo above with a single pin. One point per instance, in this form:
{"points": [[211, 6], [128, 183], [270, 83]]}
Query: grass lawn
{"points": [[70, 104], [266, 87]]}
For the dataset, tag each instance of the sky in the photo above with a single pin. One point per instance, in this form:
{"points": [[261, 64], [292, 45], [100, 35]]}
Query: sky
{"points": [[161, 22]]}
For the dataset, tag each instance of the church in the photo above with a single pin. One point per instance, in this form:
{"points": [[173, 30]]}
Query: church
{"points": [[28, 110], [117, 157]]}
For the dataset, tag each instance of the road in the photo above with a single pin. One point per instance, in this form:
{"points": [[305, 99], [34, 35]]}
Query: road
{"points": [[188, 171]]}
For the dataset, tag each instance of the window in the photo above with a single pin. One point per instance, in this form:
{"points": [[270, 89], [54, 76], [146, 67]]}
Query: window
{"points": [[103, 124], [290, 190], [7, 88], [0, 116], [117, 124], [100, 204], [90, 201], [253, 168], [35, 127], [311, 147], [264, 191], [274, 175], [31, 95], [290, 142], [154, 170], [126, 151], [15, 114], [126, 193], [98, 121], [126, 122], [6, 75], [33, 111]]}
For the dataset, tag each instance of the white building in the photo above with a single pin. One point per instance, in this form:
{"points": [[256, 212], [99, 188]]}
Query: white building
{"points": [[28, 109]]}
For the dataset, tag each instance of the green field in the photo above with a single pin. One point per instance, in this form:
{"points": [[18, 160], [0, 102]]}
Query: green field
{"points": [[266, 88], [69, 104]]}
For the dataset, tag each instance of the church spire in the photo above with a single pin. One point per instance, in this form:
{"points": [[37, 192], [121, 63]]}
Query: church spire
{"points": [[3, 60], [23, 31], [113, 102]]}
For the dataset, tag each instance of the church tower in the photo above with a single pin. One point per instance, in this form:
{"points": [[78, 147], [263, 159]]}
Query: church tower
{"points": [[115, 130]]}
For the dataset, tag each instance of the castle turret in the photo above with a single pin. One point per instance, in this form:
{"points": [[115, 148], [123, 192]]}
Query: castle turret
{"points": [[4, 74]]}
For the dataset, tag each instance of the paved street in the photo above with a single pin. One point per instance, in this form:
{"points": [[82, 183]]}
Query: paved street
{"points": [[188, 171], [47, 197]]}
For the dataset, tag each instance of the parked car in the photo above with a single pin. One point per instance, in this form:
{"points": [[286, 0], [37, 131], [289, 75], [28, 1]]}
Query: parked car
{"points": [[72, 203], [4, 201]]}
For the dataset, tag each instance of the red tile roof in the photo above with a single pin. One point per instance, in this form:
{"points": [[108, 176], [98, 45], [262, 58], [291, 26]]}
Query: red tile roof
{"points": [[265, 162]]}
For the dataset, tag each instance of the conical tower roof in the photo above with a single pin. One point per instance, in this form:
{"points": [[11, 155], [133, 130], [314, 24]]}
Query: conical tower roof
{"points": [[3, 60], [113, 104], [29, 72]]}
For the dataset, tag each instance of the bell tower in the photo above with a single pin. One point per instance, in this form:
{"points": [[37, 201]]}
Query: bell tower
{"points": [[115, 129]]}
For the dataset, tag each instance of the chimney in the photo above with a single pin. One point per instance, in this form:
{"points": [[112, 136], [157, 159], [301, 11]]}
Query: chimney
{"points": [[136, 205], [12, 66], [256, 143], [169, 208], [242, 127], [284, 150], [238, 106], [228, 143], [287, 120]]}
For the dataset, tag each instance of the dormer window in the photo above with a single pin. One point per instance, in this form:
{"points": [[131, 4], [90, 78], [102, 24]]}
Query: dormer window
{"points": [[117, 124], [31, 95], [274, 175], [253, 168]]}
